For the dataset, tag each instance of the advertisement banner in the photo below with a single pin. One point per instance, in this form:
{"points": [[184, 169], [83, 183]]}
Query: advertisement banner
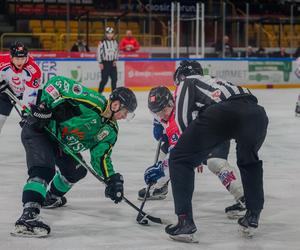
{"points": [[76, 55], [269, 72], [233, 71], [145, 74], [142, 75]]}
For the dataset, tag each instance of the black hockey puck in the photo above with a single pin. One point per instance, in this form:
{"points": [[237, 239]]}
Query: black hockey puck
{"points": [[143, 222]]}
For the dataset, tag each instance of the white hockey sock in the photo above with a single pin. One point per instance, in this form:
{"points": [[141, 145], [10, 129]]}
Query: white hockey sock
{"points": [[227, 176]]}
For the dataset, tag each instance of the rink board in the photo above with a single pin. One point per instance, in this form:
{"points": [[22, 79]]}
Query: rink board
{"points": [[142, 74]]}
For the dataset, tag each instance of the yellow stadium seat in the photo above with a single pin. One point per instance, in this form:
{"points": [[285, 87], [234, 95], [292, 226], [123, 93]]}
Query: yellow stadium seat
{"points": [[34, 23], [48, 24], [36, 29], [133, 25], [60, 24], [73, 24], [97, 27]]}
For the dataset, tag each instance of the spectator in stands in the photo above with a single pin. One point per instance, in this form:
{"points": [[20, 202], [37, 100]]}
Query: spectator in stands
{"points": [[249, 52], [261, 52], [80, 46], [227, 47], [129, 43], [281, 53]]}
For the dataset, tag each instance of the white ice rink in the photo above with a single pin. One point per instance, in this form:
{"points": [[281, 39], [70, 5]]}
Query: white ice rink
{"points": [[91, 221]]}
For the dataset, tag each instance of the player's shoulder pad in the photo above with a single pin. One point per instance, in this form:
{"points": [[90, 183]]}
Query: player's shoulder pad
{"points": [[33, 68], [35, 73], [4, 60]]}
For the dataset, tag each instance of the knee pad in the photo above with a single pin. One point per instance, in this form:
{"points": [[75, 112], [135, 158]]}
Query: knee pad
{"points": [[227, 176], [77, 175], [2, 121]]}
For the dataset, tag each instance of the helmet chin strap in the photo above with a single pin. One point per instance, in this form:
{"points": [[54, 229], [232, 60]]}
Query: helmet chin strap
{"points": [[113, 112]]}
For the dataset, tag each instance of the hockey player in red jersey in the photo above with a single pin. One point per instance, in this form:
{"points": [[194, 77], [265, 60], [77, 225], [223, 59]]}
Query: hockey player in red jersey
{"points": [[21, 75], [161, 104]]}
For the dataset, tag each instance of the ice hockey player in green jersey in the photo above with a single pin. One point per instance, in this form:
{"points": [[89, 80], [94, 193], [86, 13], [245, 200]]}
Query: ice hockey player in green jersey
{"points": [[83, 120]]}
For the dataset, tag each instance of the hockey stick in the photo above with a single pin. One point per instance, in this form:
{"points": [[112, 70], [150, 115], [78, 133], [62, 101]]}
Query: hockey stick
{"points": [[140, 219], [16, 101]]}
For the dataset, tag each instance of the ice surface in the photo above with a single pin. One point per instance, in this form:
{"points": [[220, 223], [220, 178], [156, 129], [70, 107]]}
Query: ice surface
{"points": [[90, 221]]}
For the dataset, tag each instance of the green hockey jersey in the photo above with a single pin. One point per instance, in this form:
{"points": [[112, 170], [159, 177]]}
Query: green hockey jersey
{"points": [[78, 122]]}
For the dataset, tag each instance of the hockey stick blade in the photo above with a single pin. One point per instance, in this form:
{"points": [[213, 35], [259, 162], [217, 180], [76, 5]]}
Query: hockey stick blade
{"points": [[149, 217]]}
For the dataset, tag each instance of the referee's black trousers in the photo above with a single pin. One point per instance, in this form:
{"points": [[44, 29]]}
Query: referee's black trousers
{"points": [[240, 119], [108, 70]]}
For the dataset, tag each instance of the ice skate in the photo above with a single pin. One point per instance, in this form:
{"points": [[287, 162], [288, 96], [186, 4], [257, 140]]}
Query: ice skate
{"points": [[237, 210], [155, 193], [297, 110], [29, 225], [54, 201], [249, 223], [183, 231]]}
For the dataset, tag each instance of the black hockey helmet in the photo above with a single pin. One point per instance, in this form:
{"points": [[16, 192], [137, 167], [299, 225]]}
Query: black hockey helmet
{"points": [[187, 68], [126, 97], [18, 49], [159, 98]]}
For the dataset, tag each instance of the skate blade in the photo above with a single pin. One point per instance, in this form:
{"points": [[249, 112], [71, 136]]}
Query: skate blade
{"points": [[234, 215], [247, 232], [186, 238], [53, 206], [21, 231], [153, 198]]}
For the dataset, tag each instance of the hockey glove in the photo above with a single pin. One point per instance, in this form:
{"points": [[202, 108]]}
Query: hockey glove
{"points": [[158, 129], [114, 189], [3, 85], [39, 118], [154, 173]]}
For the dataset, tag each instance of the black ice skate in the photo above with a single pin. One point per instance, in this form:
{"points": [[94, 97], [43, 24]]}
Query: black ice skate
{"points": [[297, 110], [237, 210], [29, 225], [54, 201], [154, 193], [183, 231], [249, 223]]}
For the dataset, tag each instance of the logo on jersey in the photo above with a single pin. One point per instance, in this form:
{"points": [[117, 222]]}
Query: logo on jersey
{"points": [[174, 138], [226, 177], [77, 89], [16, 80], [33, 94], [52, 91], [35, 83], [74, 132], [102, 135]]}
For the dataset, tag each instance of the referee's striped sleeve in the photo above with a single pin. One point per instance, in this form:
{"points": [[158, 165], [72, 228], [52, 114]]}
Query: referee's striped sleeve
{"points": [[181, 107], [99, 52]]}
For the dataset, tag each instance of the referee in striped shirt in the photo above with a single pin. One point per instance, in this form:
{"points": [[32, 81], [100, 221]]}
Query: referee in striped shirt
{"points": [[107, 55]]}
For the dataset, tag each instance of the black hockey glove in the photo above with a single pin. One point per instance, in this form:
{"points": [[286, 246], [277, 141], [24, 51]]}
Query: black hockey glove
{"points": [[39, 118], [3, 86], [114, 189]]}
